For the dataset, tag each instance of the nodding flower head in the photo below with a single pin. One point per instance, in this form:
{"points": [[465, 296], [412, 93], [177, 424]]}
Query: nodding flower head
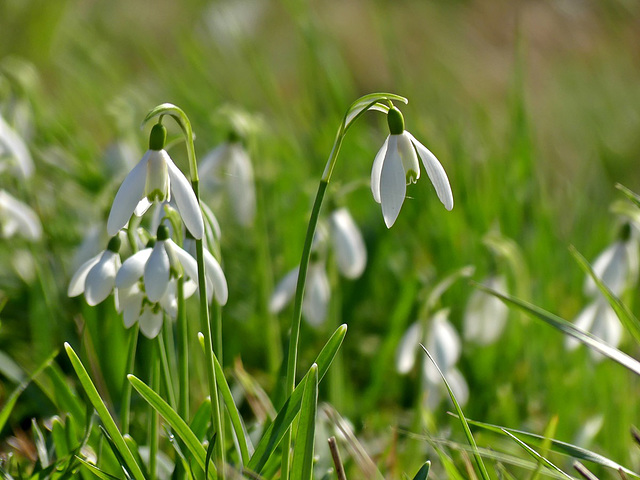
{"points": [[154, 179], [396, 166]]}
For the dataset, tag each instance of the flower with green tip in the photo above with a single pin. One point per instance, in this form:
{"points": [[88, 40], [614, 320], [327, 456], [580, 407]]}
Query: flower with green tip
{"points": [[155, 179], [96, 277], [396, 166]]}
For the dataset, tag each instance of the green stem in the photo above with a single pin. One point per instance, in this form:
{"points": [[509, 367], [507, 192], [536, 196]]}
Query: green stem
{"points": [[126, 388], [183, 355], [164, 362], [337, 384], [154, 417]]}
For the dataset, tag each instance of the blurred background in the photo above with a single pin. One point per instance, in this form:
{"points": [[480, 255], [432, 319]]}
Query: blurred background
{"points": [[533, 108]]}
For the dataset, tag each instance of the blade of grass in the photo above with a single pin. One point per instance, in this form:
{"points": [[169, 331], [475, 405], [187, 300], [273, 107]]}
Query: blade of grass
{"points": [[625, 315], [423, 473], [177, 423], [302, 465], [103, 413], [535, 454], [273, 435], [96, 471], [465, 426], [549, 433], [568, 328]]}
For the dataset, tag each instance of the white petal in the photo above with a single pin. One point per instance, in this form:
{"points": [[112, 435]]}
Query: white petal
{"points": [[348, 245], [444, 343], [13, 143], [210, 163], [606, 325], [409, 158], [101, 278], [284, 291], [186, 201], [408, 348], [393, 185], [316, 296], [376, 170], [583, 321], [485, 315], [240, 185], [77, 283], [133, 268], [130, 300], [436, 173], [612, 267], [18, 217], [128, 196], [458, 385], [150, 322], [156, 273], [215, 276], [142, 207], [169, 301]]}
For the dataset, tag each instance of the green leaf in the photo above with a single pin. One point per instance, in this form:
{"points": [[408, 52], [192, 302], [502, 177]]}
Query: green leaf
{"points": [[569, 329], [559, 447], [627, 318], [96, 471], [273, 435], [103, 413], [177, 423], [549, 433], [465, 426], [535, 454], [423, 473], [302, 466], [201, 419], [634, 197]]}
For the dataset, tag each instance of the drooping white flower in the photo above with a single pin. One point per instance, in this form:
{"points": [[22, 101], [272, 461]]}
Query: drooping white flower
{"points": [[486, 315], [229, 164], [18, 218], [96, 277], [348, 245], [396, 166], [14, 154], [601, 320], [155, 178]]}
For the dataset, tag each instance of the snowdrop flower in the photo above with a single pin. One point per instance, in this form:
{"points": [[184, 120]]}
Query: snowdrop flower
{"points": [[396, 166], [18, 218], [13, 151], [155, 178], [617, 265], [601, 320], [443, 343], [96, 277], [351, 258], [486, 315], [230, 165]]}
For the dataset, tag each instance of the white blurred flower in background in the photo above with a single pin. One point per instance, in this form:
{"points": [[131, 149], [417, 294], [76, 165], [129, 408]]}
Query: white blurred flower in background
{"points": [[14, 154], [486, 315], [17, 218]]}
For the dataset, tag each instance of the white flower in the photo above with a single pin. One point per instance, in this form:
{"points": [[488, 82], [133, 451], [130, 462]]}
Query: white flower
{"points": [[230, 164], [396, 165], [155, 178], [601, 320], [486, 315], [348, 245], [215, 278], [616, 266], [13, 147], [18, 218], [96, 277]]}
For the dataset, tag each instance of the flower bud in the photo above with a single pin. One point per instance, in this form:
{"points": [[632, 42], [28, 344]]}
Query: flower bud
{"points": [[395, 121], [157, 137]]}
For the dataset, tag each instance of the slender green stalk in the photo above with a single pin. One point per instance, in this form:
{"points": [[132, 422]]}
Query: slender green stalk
{"points": [[337, 384], [154, 418], [183, 354], [126, 388], [164, 363], [205, 322]]}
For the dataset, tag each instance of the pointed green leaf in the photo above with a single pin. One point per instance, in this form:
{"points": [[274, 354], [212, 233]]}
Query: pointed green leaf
{"points": [[465, 426], [569, 329], [423, 473], [302, 466], [535, 454], [273, 435], [103, 413], [96, 471]]}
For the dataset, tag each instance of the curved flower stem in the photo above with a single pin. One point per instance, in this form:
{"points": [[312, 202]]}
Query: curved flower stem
{"points": [[205, 322], [357, 109], [126, 388]]}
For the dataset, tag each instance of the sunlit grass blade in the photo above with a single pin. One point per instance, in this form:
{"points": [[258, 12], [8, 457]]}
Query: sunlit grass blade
{"points": [[302, 465], [569, 329], [465, 426], [549, 433], [634, 197], [535, 454], [103, 413], [423, 473], [96, 471], [178, 425], [236, 421], [558, 446], [273, 435], [625, 315]]}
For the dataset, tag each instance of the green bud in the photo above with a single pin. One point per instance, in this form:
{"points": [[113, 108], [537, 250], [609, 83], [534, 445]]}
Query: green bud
{"points": [[625, 232], [151, 243], [114, 244], [395, 121], [163, 233], [157, 137]]}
